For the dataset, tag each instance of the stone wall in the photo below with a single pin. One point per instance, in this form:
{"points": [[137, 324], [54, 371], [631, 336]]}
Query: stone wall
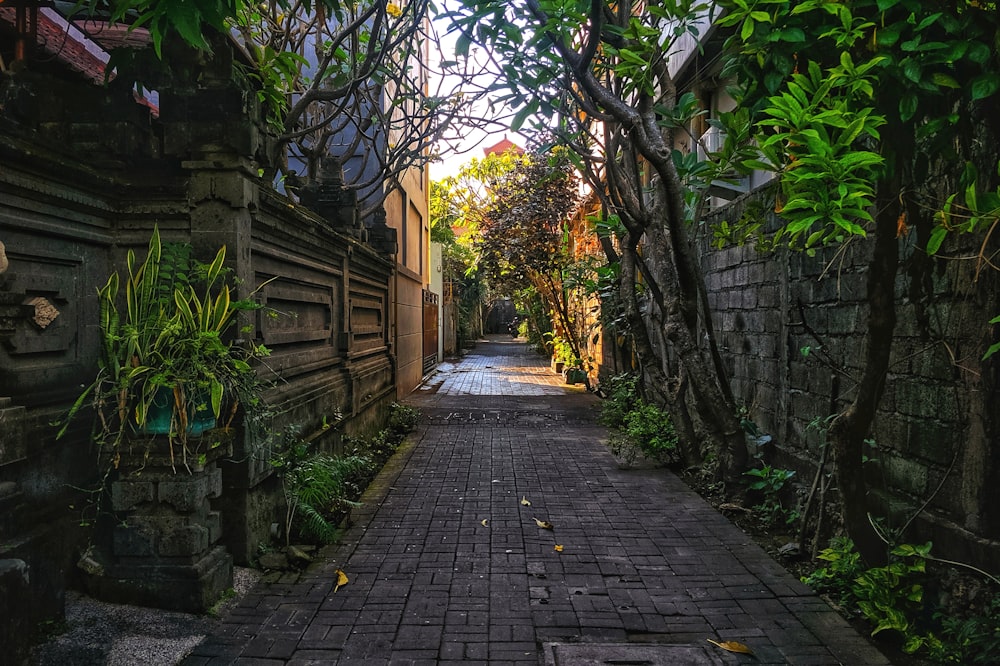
{"points": [[85, 174], [792, 331]]}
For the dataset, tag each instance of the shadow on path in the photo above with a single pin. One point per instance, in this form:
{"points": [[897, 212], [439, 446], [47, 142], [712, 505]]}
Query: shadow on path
{"points": [[448, 564]]}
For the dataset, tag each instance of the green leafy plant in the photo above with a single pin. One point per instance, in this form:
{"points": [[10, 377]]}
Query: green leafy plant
{"points": [[319, 489], [836, 578], [770, 481], [402, 418], [642, 427], [623, 395], [165, 345], [973, 639], [651, 429], [889, 596]]}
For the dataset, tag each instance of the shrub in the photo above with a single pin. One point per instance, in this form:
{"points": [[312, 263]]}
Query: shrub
{"points": [[893, 598], [651, 429], [973, 639], [402, 418], [643, 427], [770, 481], [623, 396]]}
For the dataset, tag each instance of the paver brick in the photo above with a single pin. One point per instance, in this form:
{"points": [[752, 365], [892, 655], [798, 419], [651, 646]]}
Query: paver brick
{"points": [[644, 558]]}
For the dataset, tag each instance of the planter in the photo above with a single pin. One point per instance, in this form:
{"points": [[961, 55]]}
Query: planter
{"points": [[557, 366], [575, 376], [160, 413]]}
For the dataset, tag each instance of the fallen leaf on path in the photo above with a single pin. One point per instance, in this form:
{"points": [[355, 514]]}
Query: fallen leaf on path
{"points": [[524, 501], [484, 521], [544, 524], [342, 580], [732, 646], [558, 548]]}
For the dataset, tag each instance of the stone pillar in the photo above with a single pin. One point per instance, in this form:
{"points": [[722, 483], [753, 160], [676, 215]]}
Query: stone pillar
{"points": [[328, 197], [165, 543]]}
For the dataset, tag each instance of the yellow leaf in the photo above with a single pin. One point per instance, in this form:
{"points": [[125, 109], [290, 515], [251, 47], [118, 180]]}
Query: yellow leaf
{"points": [[524, 501], [341, 580], [558, 548], [544, 524], [485, 521], [732, 646]]}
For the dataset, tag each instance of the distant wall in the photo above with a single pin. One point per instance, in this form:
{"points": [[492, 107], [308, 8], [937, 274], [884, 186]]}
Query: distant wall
{"points": [[792, 331]]}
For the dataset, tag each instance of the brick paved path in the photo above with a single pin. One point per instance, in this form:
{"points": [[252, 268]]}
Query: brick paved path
{"points": [[647, 572]]}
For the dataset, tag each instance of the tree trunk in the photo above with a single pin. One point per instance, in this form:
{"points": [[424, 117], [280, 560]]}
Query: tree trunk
{"points": [[852, 426], [711, 400]]}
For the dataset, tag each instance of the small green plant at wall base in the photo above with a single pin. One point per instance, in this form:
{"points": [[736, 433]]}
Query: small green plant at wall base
{"points": [[974, 639], [836, 578], [623, 396], [885, 594], [642, 427], [402, 418], [651, 429], [319, 488], [770, 481], [892, 598]]}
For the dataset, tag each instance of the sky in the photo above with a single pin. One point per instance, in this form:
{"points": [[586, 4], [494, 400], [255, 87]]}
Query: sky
{"points": [[473, 140]]}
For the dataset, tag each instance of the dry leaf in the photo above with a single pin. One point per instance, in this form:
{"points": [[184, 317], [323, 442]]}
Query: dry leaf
{"points": [[341, 580], [732, 646], [484, 522], [558, 548], [544, 524], [524, 501]]}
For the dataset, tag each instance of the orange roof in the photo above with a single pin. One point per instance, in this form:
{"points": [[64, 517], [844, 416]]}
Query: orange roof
{"points": [[503, 146]]}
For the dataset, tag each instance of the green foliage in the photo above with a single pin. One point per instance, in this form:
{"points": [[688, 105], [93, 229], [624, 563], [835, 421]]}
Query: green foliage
{"points": [[837, 577], [642, 427], [562, 352], [319, 488], [402, 418], [770, 481], [623, 395], [168, 337], [890, 596], [821, 78], [972, 639], [650, 427], [893, 598]]}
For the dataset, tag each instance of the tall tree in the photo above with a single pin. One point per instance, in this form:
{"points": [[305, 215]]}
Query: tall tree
{"points": [[523, 235], [600, 72]]}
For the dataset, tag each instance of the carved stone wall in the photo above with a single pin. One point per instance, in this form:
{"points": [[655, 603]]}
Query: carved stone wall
{"points": [[85, 174]]}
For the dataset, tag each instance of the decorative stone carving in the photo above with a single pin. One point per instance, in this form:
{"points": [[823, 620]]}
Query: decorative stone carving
{"points": [[3, 258], [45, 311]]}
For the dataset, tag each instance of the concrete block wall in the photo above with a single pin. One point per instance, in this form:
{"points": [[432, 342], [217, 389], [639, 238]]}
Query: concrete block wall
{"points": [[792, 332]]}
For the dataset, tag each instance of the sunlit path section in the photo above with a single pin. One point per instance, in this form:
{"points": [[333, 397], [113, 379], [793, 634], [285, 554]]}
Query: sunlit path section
{"points": [[522, 373]]}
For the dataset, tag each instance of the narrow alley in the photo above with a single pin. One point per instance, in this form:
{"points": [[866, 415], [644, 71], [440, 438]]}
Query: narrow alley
{"points": [[504, 532]]}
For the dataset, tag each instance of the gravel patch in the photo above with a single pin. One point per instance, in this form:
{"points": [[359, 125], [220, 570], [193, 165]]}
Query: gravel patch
{"points": [[103, 634]]}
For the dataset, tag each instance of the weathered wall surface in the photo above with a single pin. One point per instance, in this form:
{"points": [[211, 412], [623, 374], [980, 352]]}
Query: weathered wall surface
{"points": [[85, 174], [792, 330]]}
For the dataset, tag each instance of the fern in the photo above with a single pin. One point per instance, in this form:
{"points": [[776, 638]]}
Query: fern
{"points": [[318, 489]]}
